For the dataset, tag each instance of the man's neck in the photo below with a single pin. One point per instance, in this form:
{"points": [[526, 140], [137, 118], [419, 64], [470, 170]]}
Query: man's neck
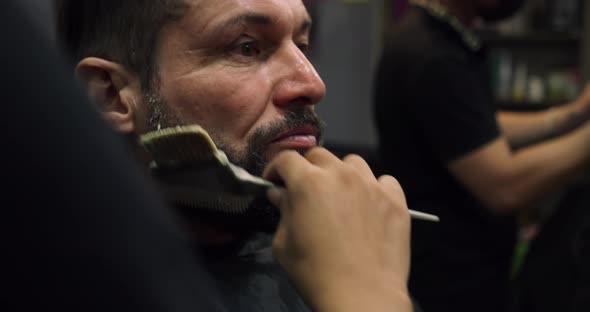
{"points": [[462, 10]]}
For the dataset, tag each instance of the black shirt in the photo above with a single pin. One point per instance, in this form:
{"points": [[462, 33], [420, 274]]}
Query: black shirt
{"points": [[247, 278], [433, 105]]}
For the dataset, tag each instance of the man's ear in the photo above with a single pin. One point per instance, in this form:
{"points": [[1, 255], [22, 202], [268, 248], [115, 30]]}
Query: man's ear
{"points": [[115, 90]]}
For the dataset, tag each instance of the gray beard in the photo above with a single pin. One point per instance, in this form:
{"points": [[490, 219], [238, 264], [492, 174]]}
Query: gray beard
{"points": [[262, 216]]}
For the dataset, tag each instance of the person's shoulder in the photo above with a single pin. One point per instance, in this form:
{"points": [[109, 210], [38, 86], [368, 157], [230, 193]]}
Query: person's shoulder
{"points": [[414, 41]]}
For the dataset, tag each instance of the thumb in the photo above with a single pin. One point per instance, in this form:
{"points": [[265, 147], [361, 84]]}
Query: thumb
{"points": [[276, 196]]}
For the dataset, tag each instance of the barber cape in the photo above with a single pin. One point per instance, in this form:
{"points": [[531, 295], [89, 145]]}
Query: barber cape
{"points": [[247, 278]]}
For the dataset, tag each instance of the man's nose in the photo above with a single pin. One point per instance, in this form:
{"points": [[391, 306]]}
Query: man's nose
{"points": [[297, 83]]}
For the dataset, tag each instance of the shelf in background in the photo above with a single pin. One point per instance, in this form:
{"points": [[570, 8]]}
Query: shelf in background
{"points": [[532, 38]]}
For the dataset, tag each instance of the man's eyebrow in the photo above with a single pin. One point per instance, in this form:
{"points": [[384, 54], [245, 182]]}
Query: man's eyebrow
{"points": [[247, 18], [258, 19]]}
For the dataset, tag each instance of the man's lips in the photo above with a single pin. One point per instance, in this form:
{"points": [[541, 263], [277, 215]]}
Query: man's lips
{"points": [[301, 137]]}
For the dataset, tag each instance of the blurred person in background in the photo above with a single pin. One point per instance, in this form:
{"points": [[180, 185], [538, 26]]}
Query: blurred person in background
{"points": [[238, 68], [459, 158]]}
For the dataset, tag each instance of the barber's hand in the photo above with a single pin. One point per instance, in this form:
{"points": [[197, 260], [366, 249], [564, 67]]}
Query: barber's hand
{"points": [[344, 235]]}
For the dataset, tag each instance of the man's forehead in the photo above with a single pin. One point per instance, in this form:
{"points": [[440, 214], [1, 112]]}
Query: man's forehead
{"points": [[201, 4], [207, 11]]}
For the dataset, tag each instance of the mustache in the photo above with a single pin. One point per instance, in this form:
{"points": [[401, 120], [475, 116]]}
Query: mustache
{"points": [[293, 119]]}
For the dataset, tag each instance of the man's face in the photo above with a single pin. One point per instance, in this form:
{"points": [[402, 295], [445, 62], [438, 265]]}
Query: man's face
{"points": [[497, 10], [237, 68]]}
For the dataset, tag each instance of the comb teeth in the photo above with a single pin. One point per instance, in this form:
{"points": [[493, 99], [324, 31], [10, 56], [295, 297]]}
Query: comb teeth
{"points": [[185, 146], [200, 181], [182, 145]]}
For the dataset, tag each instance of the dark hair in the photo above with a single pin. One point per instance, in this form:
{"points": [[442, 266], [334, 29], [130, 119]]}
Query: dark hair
{"points": [[122, 31]]}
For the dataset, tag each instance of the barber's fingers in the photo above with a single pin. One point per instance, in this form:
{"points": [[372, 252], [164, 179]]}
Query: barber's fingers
{"points": [[321, 157], [289, 164], [360, 165], [391, 185], [286, 167], [276, 196]]}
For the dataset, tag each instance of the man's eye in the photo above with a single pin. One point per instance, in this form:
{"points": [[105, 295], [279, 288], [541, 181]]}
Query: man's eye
{"points": [[304, 47], [248, 49]]}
